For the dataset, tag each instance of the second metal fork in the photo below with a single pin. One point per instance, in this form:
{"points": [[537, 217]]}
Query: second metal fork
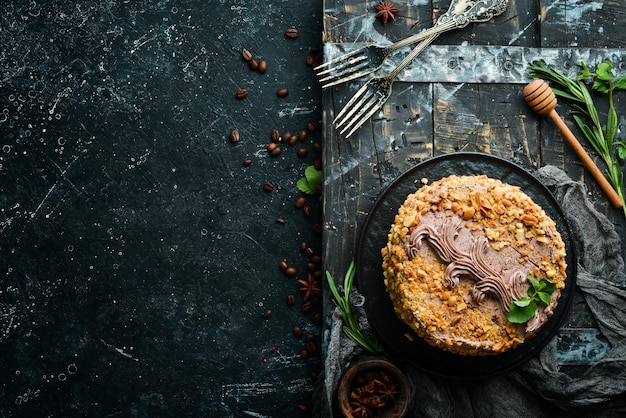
{"points": [[375, 92]]}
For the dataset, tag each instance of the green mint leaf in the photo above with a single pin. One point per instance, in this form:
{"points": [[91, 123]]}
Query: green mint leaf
{"points": [[519, 315], [599, 85], [620, 84], [544, 297], [313, 175], [522, 303], [533, 282], [304, 186], [548, 286], [604, 71], [621, 149]]}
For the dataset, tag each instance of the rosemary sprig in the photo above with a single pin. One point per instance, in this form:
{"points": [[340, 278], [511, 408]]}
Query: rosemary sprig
{"points": [[601, 137], [365, 339]]}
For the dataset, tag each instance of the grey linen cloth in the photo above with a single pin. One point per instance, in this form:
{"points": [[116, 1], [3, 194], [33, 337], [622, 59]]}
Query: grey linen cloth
{"points": [[538, 388]]}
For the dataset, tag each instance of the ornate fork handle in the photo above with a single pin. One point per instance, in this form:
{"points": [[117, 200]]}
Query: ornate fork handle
{"points": [[460, 14]]}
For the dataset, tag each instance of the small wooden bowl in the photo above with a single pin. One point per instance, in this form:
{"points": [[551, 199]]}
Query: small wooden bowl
{"points": [[357, 374]]}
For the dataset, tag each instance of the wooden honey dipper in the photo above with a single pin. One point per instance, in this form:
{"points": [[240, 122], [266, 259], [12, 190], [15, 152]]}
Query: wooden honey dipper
{"points": [[542, 100]]}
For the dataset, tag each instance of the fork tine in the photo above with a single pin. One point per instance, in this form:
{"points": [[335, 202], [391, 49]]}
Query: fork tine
{"points": [[339, 58], [364, 119], [365, 111], [343, 64], [346, 75], [349, 108]]}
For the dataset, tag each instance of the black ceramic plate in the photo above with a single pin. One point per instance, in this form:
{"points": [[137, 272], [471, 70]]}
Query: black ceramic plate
{"points": [[378, 306]]}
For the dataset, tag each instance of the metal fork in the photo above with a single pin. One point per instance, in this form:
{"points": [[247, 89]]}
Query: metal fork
{"points": [[375, 92], [370, 58]]}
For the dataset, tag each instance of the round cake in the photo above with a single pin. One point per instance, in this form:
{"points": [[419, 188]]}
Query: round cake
{"points": [[465, 251]]}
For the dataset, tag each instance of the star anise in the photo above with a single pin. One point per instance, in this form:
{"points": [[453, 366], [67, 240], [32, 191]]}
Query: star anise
{"points": [[385, 10], [310, 287]]}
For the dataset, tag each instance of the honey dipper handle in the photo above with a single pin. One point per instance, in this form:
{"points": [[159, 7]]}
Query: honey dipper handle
{"points": [[586, 159]]}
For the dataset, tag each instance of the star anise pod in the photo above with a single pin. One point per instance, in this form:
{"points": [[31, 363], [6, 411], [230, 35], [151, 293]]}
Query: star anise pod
{"points": [[310, 287], [385, 10]]}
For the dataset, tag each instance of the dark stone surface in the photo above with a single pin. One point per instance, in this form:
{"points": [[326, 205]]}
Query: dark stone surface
{"points": [[137, 252]]}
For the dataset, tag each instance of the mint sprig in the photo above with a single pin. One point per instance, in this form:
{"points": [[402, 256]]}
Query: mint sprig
{"points": [[311, 183], [523, 309]]}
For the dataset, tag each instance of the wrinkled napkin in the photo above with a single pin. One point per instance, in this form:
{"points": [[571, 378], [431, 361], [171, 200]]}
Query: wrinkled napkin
{"points": [[538, 388]]}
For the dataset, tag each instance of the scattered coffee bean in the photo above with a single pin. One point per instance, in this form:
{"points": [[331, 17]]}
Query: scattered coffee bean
{"points": [[281, 221], [317, 147], [293, 140], [304, 246], [317, 275], [242, 94], [309, 251], [309, 337], [285, 136], [312, 126], [247, 55], [267, 313], [291, 271], [304, 354], [302, 152], [311, 347], [275, 135], [234, 136], [283, 265], [317, 259], [253, 64], [306, 306], [310, 60], [292, 33], [247, 162], [291, 299], [317, 317], [308, 210], [297, 331], [302, 136], [276, 152], [300, 202], [268, 187], [302, 407], [317, 163], [282, 92], [262, 67], [311, 266]]}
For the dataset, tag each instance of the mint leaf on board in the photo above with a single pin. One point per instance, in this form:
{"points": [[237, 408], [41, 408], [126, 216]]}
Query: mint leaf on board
{"points": [[519, 315], [311, 183]]}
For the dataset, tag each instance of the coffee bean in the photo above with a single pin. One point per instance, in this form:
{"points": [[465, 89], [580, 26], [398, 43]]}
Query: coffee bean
{"points": [[310, 60], [281, 221], [316, 259], [311, 347], [302, 152], [300, 202], [297, 331], [282, 92], [275, 135], [304, 354], [283, 264], [276, 152], [293, 140], [317, 317], [253, 64], [317, 275], [292, 33], [317, 147], [309, 337], [291, 271], [304, 246], [291, 299], [302, 407], [312, 126], [306, 306], [308, 210], [302, 136], [285, 136], [242, 94], [247, 162], [311, 266], [262, 66], [267, 313], [247, 55], [317, 163], [234, 136], [268, 187]]}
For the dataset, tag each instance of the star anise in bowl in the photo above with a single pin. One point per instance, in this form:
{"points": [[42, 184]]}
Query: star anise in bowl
{"points": [[385, 10]]}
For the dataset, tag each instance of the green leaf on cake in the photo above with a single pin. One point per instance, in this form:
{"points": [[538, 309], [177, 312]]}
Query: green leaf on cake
{"points": [[523, 309]]}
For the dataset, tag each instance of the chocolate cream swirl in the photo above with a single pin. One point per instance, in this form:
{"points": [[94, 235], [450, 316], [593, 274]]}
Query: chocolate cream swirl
{"points": [[472, 264]]}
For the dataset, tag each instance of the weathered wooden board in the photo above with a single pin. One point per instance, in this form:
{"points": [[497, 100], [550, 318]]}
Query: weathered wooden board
{"points": [[463, 94]]}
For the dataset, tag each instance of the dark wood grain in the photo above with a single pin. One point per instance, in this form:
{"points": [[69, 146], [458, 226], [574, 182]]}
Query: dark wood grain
{"points": [[458, 112]]}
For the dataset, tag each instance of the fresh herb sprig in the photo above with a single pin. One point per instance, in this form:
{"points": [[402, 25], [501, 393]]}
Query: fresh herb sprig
{"points": [[523, 309], [311, 182], [600, 136], [365, 339]]}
